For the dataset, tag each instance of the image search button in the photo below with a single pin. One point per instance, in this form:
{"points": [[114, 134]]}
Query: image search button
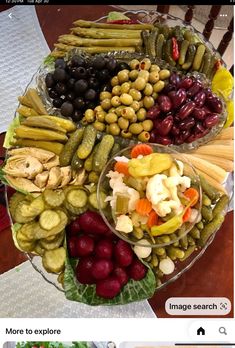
{"points": [[222, 330]]}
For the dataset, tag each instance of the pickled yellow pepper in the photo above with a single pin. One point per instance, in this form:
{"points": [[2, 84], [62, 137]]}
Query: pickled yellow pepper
{"points": [[152, 164]]}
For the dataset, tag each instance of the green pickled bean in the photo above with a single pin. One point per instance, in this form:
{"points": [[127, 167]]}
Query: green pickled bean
{"points": [[188, 253], [220, 205], [210, 228]]}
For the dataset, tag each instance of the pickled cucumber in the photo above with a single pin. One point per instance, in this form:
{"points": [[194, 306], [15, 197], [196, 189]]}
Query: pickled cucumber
{"points": [[101, 156], [94, 202], [40, 233], [75, 210], [88, 141], [17, 215], [77, 198], [49, 219], [33, 209], [76, 163], [56, 243], [54, 198], [54, 260], [70, 147]]}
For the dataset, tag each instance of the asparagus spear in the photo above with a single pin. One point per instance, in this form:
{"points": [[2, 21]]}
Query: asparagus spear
{"points": [[88, 24], [94, 49], [78, 41], [107, 33]]}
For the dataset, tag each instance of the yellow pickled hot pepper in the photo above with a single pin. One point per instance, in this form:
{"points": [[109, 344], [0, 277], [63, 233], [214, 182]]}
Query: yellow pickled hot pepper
{"points": [[171, 225], [152, 164]]}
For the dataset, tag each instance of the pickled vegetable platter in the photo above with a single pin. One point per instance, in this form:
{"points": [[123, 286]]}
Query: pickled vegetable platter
{"points": [[128, 105]]}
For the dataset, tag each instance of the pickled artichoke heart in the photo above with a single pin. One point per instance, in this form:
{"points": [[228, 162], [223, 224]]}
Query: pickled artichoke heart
{"points": [[41, 179], [55, 178], [23, 166], [42, 155], [54, 162], [79, 178], [54, 260], [66, 175], [22, 184]]}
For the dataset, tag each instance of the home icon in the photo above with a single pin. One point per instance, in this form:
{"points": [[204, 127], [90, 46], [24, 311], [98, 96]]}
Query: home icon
{"points": [[201, 331]]}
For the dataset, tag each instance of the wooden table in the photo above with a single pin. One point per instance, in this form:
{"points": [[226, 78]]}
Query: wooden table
{"points": [[212, 275]]}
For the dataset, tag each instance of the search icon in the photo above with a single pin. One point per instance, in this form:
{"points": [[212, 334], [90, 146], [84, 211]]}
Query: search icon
{"points": [[222, 330]]}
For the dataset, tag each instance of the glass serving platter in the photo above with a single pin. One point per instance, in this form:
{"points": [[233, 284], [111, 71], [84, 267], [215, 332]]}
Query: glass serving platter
{"points": [[37, 81], [143, 16]]}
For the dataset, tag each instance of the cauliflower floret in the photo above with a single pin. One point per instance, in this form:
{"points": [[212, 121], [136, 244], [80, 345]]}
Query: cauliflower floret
{"points": [[156, 191], [165, 207], [181, 167], [184, 183], [124, 224], [122, 159], [134, 196]]}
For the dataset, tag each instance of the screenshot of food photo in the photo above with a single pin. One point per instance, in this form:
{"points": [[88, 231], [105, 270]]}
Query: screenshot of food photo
{"points": [[117, 158]]}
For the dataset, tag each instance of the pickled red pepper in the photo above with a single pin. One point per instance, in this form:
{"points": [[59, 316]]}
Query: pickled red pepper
{"points": [[175, 49]]}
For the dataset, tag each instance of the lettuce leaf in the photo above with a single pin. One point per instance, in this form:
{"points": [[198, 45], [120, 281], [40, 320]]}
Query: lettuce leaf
{"points": [[115, 16], [131, 292], [10, 132], [49, 61]]}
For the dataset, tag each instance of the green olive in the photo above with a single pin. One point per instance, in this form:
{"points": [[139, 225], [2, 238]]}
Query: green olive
{"points": [[111, 117], [116, 90], [134, 64], [114, 129], [99, 126], [107, 128], [106, 104], [133, 74], [144, 136], [141, 102], [105, 95], [123, 123], [164, 74], [89, 115], [154, 77], [118, 110], [139, 83], [154, 67], [154, 95], [147, 125], [148, 89], [145, 64], [126, 134], [141, 114], [98, 108], [128, 112], [133, 119], [136, 95], [126, 99], [114, 81], [145, 74], [158, 87], [148, 102], [100, 116], [125, 87], [135, 128], [135, 105], [123, 76], [115, 101], [113, 109]]}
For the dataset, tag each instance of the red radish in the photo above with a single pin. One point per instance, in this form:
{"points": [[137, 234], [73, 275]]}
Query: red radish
{"points": [[108, 288], [104, 249], [72, 246], [137, 270], [83, 270], [101, 269], [85, 246], [121, 274], [123, 253], [92, 223], [74, 228]]}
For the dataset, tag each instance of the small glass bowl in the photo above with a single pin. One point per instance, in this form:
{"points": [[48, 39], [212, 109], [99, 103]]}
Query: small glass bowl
{"points": [[155, 242]]}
